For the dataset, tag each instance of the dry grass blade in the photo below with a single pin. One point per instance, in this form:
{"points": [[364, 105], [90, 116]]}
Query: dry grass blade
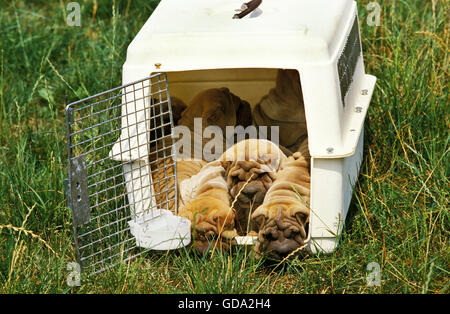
{"points": [[232, 208], [30, 233]]}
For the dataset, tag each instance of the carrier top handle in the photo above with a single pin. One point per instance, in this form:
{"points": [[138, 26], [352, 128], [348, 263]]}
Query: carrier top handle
{"points": [[247, 8]]}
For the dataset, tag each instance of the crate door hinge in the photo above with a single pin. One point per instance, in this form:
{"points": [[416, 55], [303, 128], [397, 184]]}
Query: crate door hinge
{"points": [[77, 191]]}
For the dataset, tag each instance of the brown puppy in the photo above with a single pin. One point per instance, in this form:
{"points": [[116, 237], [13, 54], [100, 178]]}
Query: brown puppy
{"points": [[202, 195], [161, 165], [283, 107], [216, 107], [164, 180], [202, 198], [250, 171], [284, 215], [208, 208]]}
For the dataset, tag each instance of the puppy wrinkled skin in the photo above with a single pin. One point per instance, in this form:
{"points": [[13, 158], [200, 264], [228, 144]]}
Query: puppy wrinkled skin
{"points": [[283, 107], [216, 107], [209, 209], [202, 192], [164, 183], [161, 166], [202, 198], [250, 168], [283, 217]]}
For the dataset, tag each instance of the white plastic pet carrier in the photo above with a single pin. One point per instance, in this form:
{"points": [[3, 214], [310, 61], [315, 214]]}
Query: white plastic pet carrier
{"points": [[194, 45]]}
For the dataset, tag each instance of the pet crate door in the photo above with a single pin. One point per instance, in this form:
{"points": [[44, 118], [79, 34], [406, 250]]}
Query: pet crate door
{"points": [[121, 167]]}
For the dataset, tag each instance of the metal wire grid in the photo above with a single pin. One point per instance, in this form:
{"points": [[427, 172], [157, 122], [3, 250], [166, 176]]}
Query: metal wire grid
{"points": [[348, 59], [102, 185]]}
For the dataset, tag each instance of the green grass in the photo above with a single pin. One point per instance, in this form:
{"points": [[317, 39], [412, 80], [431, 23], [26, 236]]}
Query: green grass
{"points": [[399, 213]]}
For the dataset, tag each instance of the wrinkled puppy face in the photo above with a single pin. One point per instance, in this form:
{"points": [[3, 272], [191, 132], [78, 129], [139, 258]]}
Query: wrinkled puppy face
{"points": [[283, 228], [212, 220], [247, 182], [216, 106]]}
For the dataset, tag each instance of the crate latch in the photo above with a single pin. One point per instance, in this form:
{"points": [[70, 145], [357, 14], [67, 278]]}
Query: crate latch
{"points": [[78, 191]]}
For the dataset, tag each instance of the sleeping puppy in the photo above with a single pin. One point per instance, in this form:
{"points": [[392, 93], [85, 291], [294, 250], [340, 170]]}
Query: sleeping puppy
{"points": [[208, 208], [283, 107], [250, 168], [202, 198], [216, 107], [161, 165], [160, 125], [163, 180], [283, 217]]}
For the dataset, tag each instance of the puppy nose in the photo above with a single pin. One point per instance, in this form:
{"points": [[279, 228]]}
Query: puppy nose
{"points": [[281, 247], [253, 192], [281, 242], [247, 195]]}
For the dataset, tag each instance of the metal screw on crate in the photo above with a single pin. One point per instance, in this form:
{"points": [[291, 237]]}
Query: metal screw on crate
{"points": [[74, 17]]}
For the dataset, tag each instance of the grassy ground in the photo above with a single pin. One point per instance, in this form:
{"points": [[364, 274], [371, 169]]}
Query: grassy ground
{"points": [[399, 212]]}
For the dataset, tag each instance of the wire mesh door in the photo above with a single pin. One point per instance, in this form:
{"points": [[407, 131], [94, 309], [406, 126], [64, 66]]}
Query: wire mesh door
{"points": [[121, 166]]}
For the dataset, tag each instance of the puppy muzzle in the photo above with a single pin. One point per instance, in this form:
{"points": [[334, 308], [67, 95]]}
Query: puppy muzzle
{"points": [[281, 237]]}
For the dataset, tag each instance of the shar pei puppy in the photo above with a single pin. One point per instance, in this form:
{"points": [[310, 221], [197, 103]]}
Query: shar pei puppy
{"points": [[163, 179], [206, 203], [250, 167], [215, 107], [283, 107], [283, 218], [202, 191], [203, 198]]}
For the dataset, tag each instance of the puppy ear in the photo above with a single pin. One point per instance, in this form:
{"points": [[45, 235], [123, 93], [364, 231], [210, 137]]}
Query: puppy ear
{"points": [[301, 217], [303, 221], [244, 114], [178, 106], [259, 216], [260, 211], [259, 222], [225, 165]]}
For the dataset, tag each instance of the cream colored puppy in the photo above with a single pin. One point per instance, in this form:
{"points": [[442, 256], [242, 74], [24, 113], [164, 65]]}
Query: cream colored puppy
{"points": [[250, 167], [163, 179], [206, 203], [283, 217]]}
